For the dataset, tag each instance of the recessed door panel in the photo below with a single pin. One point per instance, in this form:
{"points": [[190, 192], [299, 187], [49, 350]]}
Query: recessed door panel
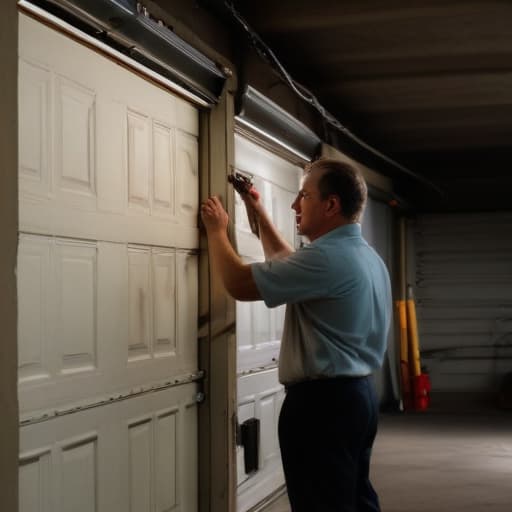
{"points": [[35, 482], [34, 127], [75, 137], [33, 297], [79, 475]]}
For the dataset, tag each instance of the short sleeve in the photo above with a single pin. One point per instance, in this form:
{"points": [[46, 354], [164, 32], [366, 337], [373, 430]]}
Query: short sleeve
{"points": [[304, 275]]}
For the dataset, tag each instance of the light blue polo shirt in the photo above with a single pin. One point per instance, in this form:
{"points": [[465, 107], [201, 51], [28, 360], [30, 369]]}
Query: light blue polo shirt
{"points": [[338, 298]]}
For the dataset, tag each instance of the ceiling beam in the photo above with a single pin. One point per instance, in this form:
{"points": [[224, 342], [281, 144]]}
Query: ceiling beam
{"points": [[418, 93], [298, 16]]}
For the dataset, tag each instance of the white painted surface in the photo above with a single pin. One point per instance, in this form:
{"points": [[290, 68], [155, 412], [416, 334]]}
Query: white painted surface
{"points": [[133, 455], [260, 396], [108, 283], [259, 329], [99, 148]]}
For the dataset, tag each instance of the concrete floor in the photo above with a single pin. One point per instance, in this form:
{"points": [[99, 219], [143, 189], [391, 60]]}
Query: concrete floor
{"points": [[439, 462]]}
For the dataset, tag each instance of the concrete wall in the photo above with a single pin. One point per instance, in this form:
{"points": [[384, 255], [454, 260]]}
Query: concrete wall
{"points": [[8, 244]]}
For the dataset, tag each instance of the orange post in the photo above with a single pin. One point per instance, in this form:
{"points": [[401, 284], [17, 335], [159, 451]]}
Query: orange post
{"points": [[412, 329]]}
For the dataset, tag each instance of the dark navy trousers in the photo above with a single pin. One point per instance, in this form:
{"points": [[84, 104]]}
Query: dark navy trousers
{"points": [[326, 432]]}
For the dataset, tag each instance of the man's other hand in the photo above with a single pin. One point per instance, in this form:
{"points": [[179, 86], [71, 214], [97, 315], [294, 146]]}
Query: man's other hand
{"points": [[215, 218]]}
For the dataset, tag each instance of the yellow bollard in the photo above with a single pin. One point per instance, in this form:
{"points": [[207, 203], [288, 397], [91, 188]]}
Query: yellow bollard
{"points": [[412, 327]]}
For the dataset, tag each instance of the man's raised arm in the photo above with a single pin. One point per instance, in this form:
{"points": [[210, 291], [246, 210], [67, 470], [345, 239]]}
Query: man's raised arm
{"points": [[274, 244]]}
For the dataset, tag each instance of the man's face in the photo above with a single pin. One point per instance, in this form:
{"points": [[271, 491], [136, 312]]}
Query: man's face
{"points": [[309, 207]]}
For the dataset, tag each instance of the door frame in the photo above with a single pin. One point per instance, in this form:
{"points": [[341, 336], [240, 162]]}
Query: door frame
{"points": [[9, 236], [217, 321]]}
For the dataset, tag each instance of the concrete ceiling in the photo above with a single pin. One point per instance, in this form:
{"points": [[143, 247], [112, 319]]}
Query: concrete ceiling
{"points": [[428, 82]]}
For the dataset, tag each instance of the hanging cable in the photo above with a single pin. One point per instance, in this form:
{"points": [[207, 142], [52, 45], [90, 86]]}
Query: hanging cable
{"points": [[306, 95]]}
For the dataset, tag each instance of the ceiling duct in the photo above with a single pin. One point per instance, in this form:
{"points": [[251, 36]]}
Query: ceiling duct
{"points": [[261, 115], [129, 28]]}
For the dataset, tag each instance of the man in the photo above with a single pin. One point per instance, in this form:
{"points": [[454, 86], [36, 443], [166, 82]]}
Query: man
{"points": [[338, 312]]}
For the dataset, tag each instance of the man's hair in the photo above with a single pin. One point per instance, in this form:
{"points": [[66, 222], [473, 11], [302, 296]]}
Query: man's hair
{"points": [[345, 181]]}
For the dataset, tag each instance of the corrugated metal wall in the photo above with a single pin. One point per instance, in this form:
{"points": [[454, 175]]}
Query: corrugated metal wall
{"points": [[463, 286]]}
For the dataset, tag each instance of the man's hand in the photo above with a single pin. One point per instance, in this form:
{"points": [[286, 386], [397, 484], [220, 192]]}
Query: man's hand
{"points": [[236, 276], [215, 218], [252, 199]]}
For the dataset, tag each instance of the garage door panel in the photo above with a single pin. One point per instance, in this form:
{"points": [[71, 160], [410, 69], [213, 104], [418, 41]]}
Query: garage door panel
{"points": [[67, 222], [101, 317], [52, 50], [89, 149], [130, 455], [260, 395]]}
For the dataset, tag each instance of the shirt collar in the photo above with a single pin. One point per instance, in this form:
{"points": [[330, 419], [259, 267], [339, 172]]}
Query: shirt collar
{"points": [[352, 230]]}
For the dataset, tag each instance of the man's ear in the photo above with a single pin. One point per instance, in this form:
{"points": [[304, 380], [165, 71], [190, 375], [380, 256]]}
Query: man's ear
{"points": [[333, 205]]}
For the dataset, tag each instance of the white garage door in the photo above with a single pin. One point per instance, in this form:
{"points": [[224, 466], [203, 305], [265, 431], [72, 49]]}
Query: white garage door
{"points": [[107, 277], [259, 329]]}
